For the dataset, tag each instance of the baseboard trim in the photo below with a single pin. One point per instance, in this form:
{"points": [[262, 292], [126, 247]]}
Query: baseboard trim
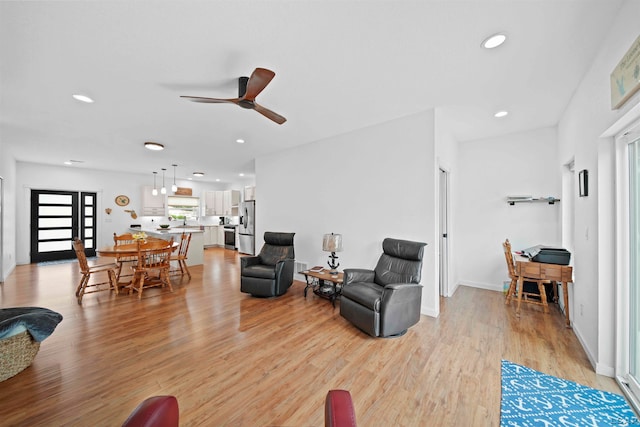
{"points": [[488, 286]]}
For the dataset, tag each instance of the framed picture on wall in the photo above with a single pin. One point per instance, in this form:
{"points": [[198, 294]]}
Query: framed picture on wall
{"points": [[583, 178]]}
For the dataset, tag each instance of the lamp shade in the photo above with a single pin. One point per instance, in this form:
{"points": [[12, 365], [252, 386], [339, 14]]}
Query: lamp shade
{"points": [[332, 242]]}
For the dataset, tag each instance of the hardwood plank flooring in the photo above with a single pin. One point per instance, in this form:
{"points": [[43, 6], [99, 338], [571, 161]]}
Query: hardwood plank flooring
{"points": [[231, 359]]}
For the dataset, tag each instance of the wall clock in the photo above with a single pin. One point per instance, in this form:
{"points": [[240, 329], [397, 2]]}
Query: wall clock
{"points": [[122, 200]]}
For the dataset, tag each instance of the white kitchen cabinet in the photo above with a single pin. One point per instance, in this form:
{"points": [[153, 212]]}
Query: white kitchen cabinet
{"points": [[220, 236], [152, 205], [230, 202], [211, 235], [249, 193], [210, 203], [221, 203]]}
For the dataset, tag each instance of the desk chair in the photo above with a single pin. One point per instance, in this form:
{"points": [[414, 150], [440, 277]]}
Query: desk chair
{"points": [[539, 298], [88, 270]]}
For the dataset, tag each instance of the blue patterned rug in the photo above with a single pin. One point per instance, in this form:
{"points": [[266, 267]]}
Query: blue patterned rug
{"points": [[531, 398]]}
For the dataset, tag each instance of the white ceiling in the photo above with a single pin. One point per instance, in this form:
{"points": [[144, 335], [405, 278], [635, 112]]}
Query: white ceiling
{"points": [[340, 65]]}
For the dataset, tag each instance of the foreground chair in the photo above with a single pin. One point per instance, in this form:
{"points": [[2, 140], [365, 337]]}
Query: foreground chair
{"points": [[156, 411], [89, 270], [338, 409], [270, 273], [385, 302], [152, 261], [181, 256]]}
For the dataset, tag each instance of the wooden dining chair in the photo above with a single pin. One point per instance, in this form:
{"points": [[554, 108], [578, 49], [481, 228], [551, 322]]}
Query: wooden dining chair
{"points": [[520, 293], [181, 256], [123, 239], [87, 271], [152, 268]]}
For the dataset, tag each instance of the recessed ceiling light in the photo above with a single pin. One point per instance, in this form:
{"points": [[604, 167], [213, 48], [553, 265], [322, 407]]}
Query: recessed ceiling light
{"points": [[501, 114], [198, 174], [153, 146], [494, 41], [83, 98], [217, 179], [240, 141], [241, 174]]}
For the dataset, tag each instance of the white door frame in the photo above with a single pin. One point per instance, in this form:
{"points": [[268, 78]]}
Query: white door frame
{"points": [[443, 231]]}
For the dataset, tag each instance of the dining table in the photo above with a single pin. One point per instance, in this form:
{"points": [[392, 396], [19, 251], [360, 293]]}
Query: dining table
{"points": [[130, 250]]}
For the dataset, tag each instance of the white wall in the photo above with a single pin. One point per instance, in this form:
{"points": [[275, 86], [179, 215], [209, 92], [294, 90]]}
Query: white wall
{"points": [[368, 184], [8, 173], [489, 170], [587, 117], [107, 184]]}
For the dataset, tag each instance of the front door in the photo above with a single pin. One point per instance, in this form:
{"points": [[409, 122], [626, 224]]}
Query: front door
{"points": [[56, 218]]}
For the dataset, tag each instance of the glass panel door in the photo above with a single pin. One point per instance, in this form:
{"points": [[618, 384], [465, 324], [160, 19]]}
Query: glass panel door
{"points": [[56, 218]]}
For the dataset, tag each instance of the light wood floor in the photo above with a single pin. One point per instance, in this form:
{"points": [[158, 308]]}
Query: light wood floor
{"points": [[240, 361]]}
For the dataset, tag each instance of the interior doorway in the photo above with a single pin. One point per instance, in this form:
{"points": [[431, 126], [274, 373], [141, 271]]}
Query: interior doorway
{"points": [[443, 185]]}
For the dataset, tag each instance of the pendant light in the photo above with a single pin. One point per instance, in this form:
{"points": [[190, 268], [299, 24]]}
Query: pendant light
{"points": [[174, 187], [163, 190], [155, 190]]}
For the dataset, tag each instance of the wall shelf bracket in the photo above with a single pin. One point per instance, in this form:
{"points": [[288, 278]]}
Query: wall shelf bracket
{"points": [[512, 200]]}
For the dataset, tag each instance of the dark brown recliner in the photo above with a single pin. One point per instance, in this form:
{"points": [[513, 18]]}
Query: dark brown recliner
{"points": [[385, 302], [270, 273]]}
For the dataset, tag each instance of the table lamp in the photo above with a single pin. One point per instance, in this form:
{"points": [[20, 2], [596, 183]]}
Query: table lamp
{"points": [[332, 243]]}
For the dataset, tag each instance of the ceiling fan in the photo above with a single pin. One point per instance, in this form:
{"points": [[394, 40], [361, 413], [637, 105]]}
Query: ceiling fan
{"points": [[248, 89]]}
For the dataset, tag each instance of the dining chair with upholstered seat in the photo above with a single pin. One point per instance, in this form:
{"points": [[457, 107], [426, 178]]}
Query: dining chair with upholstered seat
{"points": [[181, 256], [100, 284], [152, 268], [531, 297]]}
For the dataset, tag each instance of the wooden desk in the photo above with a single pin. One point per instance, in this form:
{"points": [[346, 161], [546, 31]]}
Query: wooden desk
{"points": [[323, 284], [527, 269]]}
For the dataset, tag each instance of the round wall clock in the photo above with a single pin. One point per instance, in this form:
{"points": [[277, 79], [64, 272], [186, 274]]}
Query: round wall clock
{"points": [[122, 200]]}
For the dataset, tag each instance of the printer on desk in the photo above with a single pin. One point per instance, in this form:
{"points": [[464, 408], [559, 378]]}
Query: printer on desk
{"points": [[547, 255]]}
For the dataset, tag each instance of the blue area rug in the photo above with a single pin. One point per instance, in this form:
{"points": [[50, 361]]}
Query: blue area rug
{"points": [[531, 398]]}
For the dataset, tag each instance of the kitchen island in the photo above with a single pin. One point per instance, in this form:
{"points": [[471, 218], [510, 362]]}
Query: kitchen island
{"points": [[195, 256]]}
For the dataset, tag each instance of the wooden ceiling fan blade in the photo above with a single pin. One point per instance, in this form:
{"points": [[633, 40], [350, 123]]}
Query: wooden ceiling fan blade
{"points": [[269, 114], [211, 100], [259, 79]]}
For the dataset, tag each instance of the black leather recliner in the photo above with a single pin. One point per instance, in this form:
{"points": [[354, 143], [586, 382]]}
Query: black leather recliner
{"points": [[385, 302], [270, 273]]}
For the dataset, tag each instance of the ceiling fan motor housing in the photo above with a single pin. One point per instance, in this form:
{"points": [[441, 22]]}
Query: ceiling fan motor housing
{"points": [[242, 86], [242, 91]]}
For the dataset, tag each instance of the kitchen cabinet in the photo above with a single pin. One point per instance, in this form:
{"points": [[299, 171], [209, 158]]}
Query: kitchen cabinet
{"points": [[249, 193], [221, 203], [210, 205], [230, 202], [221, 236], [211, 235], [152, 205]]}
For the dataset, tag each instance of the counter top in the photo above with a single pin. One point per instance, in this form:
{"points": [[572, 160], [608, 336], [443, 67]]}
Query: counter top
{"points": [[169, 231]]}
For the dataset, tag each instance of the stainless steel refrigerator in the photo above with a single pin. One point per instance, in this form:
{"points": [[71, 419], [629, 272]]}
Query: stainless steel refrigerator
{"points": [[247, 228]]}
